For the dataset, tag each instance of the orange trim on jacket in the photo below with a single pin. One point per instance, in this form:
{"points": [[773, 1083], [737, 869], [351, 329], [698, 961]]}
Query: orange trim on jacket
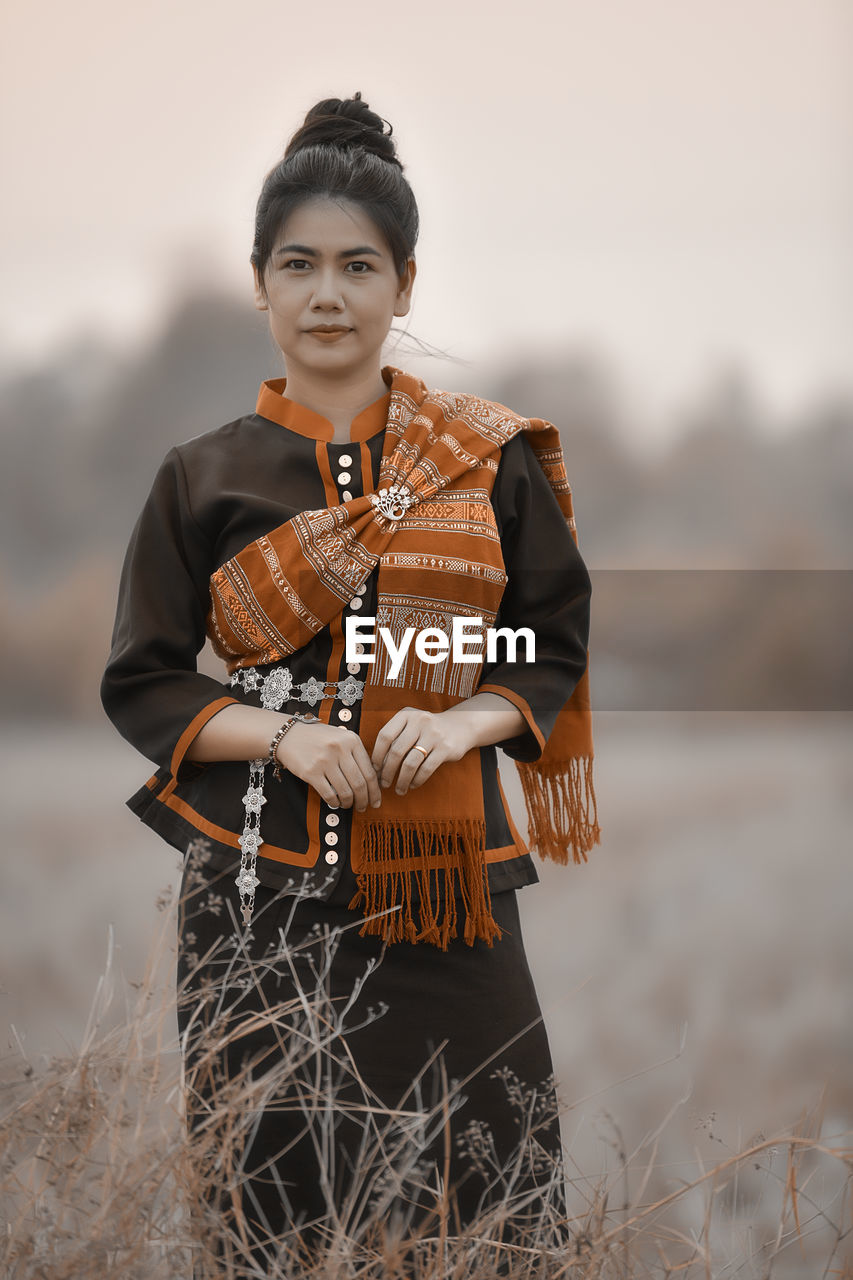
{"points": [[193, 728]]}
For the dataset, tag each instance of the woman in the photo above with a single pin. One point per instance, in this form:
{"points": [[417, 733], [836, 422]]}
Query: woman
{"points": [[375, 860]]}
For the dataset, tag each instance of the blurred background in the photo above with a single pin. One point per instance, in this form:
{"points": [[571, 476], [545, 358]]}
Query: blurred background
{"points": [[636, 222]]}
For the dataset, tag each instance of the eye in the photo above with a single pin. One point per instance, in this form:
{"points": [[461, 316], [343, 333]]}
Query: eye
{"points": [[294, 262], [366, 265]]}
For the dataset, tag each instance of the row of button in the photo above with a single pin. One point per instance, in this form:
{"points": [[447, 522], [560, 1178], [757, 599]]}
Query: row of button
{"points": [[344, 477], [344, 713], [331, 837]]}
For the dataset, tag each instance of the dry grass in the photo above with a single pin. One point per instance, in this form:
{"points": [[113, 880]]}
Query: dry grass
{"points": [[103, 1177]]}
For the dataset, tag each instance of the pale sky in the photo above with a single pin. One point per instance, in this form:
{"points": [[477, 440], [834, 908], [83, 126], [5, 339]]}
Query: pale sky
{"points": [[666, 182]]}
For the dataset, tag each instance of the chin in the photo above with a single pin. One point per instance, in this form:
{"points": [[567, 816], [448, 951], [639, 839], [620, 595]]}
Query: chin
{"points": [[328, 363]]}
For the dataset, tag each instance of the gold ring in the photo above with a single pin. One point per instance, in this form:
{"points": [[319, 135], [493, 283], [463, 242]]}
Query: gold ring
{"points": [[416, 748]]}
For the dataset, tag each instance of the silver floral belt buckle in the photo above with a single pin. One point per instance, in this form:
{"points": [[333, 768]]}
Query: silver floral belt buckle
{"points": [[277, 687]]}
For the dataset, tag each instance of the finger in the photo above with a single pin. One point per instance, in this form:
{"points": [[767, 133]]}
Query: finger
{"points": [[404, 740], [357, 782], [427, 768], [364, 763], [386, 736], [410, 767], [326, 791], [340, 785]]}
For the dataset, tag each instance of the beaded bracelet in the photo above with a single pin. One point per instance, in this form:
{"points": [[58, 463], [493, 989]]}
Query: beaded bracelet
{"points": [[306, 718]]}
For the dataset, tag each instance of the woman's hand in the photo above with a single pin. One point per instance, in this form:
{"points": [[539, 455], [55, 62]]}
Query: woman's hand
{"points": [[442, 735], [334, 761]]}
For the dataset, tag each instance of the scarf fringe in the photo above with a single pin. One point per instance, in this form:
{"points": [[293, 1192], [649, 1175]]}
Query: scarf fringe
{"points": [[446, 847], [561, 807]]}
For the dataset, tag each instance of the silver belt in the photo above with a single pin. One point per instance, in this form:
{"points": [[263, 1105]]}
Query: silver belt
{"points": [[277, 687]]}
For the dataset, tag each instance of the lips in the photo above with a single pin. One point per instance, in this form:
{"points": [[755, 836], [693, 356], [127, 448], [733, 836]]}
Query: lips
{"points": [[329, 328], [328, 337]]}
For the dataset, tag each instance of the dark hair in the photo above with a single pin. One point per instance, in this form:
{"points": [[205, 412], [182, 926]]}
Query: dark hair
{"points": [[340, 151]]}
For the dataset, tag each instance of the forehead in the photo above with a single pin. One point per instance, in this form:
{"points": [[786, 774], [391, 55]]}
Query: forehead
{"points": [[325, 222]]}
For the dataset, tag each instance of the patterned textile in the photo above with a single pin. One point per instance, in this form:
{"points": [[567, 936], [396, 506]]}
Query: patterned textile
{"points": [[430, 528]]}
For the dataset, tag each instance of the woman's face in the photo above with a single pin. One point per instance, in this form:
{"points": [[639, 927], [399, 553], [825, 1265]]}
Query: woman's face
{"points": [[332, 266]]}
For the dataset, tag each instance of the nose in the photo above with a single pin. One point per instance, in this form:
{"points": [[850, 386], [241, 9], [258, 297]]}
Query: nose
{"points": [[327, 291]]}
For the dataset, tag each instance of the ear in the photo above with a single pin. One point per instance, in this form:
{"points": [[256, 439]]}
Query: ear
{"points": [[404, 293], [260, 301]]}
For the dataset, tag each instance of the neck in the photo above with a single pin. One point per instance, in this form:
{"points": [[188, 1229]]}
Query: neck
{"points": [[339, 399]]}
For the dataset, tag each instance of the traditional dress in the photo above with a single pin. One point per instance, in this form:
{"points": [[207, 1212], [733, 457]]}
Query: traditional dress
{"points": [[462, 1001]]}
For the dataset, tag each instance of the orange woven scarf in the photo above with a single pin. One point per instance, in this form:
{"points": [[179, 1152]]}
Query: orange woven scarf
{"points": [[436, 543]]}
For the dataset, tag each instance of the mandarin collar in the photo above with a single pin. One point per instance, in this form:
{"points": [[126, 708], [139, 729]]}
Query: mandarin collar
{"points": [[274, 405]]}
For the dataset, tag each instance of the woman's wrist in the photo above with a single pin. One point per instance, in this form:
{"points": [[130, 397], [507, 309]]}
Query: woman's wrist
{"points": [[486, 718], [236, 732], [287, 726], [273, 749]]}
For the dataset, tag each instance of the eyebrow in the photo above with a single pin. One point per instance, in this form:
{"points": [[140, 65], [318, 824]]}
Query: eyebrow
{"points": [[312, 253]]}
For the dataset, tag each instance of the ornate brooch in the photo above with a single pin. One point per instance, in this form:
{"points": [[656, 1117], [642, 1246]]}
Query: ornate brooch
{"points": [[392, 503]]}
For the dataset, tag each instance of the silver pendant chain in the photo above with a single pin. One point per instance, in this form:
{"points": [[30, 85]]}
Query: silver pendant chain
{"points": [[274, 690], [250, 841]]}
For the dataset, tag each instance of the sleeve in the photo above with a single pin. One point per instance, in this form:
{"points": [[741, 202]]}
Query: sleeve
{"points": [[548, 589], [151, 688]]}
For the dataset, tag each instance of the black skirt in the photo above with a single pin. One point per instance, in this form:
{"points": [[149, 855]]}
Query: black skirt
{"points": [[391, 1090]]}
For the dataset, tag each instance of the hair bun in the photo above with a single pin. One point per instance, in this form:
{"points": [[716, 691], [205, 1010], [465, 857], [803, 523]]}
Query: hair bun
{"points": [[344, 122]]}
